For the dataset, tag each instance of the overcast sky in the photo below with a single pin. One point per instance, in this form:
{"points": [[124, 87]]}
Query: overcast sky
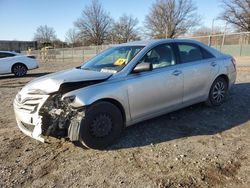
{"points": [[20, 18]]}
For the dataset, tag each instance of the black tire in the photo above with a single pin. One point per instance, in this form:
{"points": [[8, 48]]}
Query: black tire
{"points": [[19, 69], [218, 92], [102, 124]]}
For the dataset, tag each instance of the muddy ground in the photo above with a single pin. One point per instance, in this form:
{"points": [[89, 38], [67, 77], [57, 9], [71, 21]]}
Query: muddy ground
{"points": [[194, 147]]}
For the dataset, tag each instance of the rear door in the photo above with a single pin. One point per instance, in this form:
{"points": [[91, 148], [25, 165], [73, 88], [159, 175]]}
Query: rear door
{"points": [[199, 67], [154, 92], [5, 62]]}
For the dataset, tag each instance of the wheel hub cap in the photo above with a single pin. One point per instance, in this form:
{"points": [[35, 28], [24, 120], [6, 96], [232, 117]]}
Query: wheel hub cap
{"points": [[219, 92], [19, 70], [101, 126]]}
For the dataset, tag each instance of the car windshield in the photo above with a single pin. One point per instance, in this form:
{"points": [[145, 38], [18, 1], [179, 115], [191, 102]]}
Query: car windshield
{"points": [[113, 59]]}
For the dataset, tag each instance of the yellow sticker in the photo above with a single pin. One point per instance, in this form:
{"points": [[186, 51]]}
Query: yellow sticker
{"points": [[120, 61]]}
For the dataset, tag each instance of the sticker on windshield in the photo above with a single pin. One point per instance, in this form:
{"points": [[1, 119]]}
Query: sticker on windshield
{"points": [[120, 61], [109, 71]]}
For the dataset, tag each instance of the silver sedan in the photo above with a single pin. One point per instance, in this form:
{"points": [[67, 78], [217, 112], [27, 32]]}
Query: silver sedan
{"points": [[121, 86]]}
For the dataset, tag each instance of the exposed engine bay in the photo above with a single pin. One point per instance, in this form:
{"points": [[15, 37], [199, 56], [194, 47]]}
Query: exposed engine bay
{"points": [[59, 119]]}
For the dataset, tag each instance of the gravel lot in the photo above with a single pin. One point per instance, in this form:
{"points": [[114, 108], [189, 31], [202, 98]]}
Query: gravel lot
{"points": [[194, 147]]}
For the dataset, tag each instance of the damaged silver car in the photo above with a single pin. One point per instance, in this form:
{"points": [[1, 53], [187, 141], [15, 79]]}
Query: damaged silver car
{"points": [[121, 86]]}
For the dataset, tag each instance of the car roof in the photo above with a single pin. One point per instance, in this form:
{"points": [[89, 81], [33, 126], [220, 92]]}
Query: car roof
{"points": [[154, 42], [158, 41]]}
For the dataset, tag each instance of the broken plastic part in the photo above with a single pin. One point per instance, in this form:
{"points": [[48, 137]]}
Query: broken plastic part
{"points": [[74, 128]]}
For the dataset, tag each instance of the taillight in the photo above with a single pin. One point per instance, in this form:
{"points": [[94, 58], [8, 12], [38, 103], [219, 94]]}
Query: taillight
{"points": [[233, 62]]}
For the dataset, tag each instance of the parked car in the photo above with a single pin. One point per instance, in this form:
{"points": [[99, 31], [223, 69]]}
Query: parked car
{"points": [[12, 62], [121, 86]]}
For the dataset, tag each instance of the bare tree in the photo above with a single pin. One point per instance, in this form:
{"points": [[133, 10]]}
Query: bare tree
{"points": [[45, 34], [94, 24], [171, 18], [72, 37], [237, 13], [125, 29]]}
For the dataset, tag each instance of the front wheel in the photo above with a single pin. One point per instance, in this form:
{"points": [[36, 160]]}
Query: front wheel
{"points": [[102, 124], [218, 92]]}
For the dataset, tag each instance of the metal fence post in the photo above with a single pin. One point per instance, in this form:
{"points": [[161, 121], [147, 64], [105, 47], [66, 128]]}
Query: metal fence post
{"points": [[241, 44], [63, 54], [223, 40], [72, 56], [83, 58], [209, 40]]}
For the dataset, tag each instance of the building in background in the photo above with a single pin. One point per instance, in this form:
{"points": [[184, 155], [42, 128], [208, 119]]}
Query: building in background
{"points": [[18, 46]]}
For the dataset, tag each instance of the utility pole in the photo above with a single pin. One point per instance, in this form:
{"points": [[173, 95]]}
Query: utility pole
{"points": [[224, 35]]}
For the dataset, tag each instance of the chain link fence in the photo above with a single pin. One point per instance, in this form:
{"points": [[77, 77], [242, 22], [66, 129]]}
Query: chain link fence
{"points": [[236, 44], [79, 54]]}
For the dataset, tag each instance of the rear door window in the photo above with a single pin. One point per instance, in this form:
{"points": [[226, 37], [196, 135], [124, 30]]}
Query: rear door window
{"points": [[206, 54], [189, 53]]}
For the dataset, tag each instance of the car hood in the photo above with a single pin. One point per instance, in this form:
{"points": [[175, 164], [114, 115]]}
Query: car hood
{"points": [[51, 83]]}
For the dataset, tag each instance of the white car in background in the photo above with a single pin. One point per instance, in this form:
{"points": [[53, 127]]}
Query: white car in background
{"points": [[18, 64]]}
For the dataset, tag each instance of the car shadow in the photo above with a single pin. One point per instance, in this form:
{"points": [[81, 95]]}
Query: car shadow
{"points": [[191, 121], [29, 75]]}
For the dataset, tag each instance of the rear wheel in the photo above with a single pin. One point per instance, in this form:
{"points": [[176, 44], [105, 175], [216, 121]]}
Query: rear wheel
{"points": [[218, 92], [19, 69], [101, 125]]}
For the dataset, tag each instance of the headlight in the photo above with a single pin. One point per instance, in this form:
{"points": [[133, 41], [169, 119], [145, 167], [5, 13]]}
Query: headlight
{"points": [[69, 99]]}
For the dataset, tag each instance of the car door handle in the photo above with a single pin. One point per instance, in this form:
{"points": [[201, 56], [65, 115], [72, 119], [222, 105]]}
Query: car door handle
{"points": [[176, 72], [213, 64]]}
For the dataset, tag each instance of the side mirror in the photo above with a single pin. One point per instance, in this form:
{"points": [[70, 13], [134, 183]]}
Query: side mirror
{"points": [[143, 67]]}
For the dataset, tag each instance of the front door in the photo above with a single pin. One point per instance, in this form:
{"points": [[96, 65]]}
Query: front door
{"points": [[153, 92]]}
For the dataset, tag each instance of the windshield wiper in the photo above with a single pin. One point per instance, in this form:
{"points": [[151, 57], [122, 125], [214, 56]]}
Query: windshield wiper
{"points": [[87, 68]]}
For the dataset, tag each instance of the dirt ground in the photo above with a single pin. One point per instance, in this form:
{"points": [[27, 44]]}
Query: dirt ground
{"points": [[194, 147]]}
